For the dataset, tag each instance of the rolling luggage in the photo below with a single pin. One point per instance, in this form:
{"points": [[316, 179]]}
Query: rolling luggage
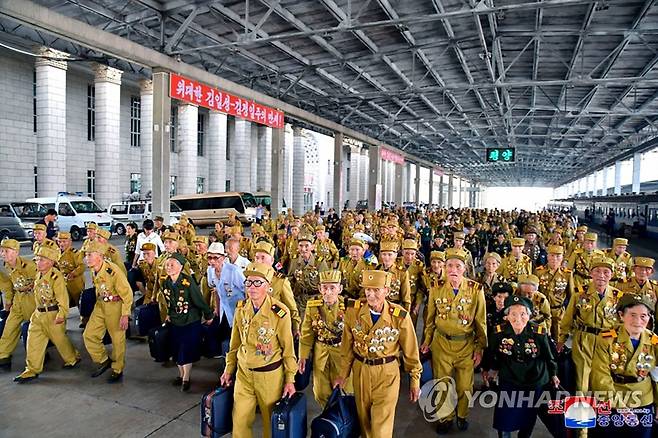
{"points": [[25, 325], [3, 320], [426, 375], [211, 344], [147, 317], [302, 380], [289, 417], [159, 343], [566, 370], [216, 412], [87, 302], [338, 418]]}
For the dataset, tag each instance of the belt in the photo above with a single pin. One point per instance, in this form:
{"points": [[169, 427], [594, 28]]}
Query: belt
{"points": [[271, 367], [332, 342], [378, 361], [111, 298], [556, 307], [588, 329], [47, 309], [617, 378], [456, 337]]}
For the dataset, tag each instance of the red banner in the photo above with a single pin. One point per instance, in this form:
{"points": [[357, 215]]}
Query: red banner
{"points": [[391, 156], [185, 89]]}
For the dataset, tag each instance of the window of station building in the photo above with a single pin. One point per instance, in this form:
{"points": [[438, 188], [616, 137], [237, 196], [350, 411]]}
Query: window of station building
{"points": [[172, 185], [173, 122], [200, 135], [91, 184], [36, 191], [328, 167], [135, 121], [227, 187], [230, 126], [135, 182], [34, 102], [200, 184], [347, 180], [91, 112]]}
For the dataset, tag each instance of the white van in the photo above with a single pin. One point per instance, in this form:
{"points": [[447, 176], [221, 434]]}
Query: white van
{"points": [[74, 212], [123, 213]]}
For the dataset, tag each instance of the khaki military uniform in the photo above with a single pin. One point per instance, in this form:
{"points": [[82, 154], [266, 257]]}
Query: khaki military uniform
{"points": [[487, 284], [149, 274], [326, 249], [648, 290], [623, 267], [290, 251], [588, 315], [558, 287], [541, 311], [399, 292], [282, 291], [112, 255], [245, 248], [417, 293], [455, 329], [370, 352], [71, 264], [114, 299], [304, 278], [351, 272], [22, 303], [511, 268], [262, 353], [52, 301], [573, 246], [199, 265], [579, 262], [322, 332]]}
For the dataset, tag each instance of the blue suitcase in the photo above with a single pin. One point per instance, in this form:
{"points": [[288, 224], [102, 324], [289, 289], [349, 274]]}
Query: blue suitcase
{"points": [[87, 302], [211, 343], [289, 417], [3, 320], [426, 374], [147, 317], [302, 380], [25, 325], [216, 412], [159, 343], [338, 419]]}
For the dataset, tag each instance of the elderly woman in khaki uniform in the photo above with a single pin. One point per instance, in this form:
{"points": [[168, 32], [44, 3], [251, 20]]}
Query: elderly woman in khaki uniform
{"points": [[261, 351], [375, 335]]}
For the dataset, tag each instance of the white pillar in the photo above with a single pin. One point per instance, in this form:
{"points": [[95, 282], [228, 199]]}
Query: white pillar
{"points": [[363, 174], [298, 162], [264, 173], [398, 184], [605, 181], [617, 177], [216, 138], [146, 134], [417, 185], [254, 158], [374, 186], [277, 147], [242, 155], [637, 162], [355, 162], [51, 122], [186, 139], [431, 200], [338, 173], [108, 142]]}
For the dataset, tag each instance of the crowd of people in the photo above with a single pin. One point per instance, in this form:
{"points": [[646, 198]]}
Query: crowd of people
{"points": [[496, 292]]}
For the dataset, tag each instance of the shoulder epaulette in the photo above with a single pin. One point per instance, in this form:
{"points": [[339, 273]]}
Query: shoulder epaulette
{"points": [[540, 268], [240, 303], [185, 282], [539, 329], [280, 312], [279, 274], [654, 282], [499, 328], [111, 249], [354, 303], [109, 270], [567, 270], [397, 311], [53, 274], [654, 339], [612, 333], [314, 303]]}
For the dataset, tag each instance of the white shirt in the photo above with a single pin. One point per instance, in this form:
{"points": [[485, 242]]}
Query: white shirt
{"points": [[240, 262], [151, 238]]}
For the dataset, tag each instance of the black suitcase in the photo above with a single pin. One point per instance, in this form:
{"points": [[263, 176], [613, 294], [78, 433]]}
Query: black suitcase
{"points": [[338, 418], [211, 343], [302, 380], [216, 412], [25, 325], [147, 317], [426, 374], [159, 343], [3, 320], [289, 417], [87, 302], [566, 370]]}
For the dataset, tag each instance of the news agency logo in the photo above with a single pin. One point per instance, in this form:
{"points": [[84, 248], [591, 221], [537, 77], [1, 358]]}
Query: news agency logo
{"points": [[438, 399], [586, 412]]}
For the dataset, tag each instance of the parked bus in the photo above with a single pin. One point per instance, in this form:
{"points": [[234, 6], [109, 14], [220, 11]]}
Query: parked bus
{"points": [[207, 208]]}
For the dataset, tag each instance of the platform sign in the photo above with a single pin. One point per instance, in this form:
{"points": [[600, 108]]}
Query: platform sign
{"points": [[501, 155], [389, 155], [194, 92]]}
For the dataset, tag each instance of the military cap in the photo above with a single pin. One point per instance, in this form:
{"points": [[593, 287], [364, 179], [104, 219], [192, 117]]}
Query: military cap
{"points": [[259, 270], [620, 241], [63, 235], [518, 241], [330, 276], [180, 258], [409, 244], [439, 236], [231, 214], [459, 235], [591, 236], [530, 229], [158, 218], [375, 279], [49, 244], [514, 300], [104, 233], [170, 235], [183, 221], [582, 229], [388, 245], [491, 255], [11, 244], [320, 228], [235, 229], [92, 226], [555, 249], [49, 253], [148, 246], [200, 239], [630, 300], [438, 255], [264, 246], [39, 227], [257, 228], [501, 287], [644, 262], [357, 242], [529, 279], [454, 253], [602, 262], [305, 237], [95, 246]]}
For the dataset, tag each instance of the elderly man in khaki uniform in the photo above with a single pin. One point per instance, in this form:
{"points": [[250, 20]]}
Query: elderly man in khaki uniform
{"points": [[375, 335], [39, 231], [261, 352], [556, 283], [72, 266], [48, 322], [322, 333], [590, 312], [577, 242], [325, 247], [303, 271], [19, 300], [456, 332], [516, 263], [148, 270], [580, 259], [351, 267], [641, 283], [414, 268], [541, 308], [623, 261], [458, 239], [400, 289], [114, 299]]}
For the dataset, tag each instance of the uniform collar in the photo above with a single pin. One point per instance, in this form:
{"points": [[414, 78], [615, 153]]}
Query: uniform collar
{"points": [[366, 319]]}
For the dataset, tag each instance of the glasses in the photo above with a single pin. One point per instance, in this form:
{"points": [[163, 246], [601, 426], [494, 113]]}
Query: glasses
{"points": [[215, 257], [256, 283]]}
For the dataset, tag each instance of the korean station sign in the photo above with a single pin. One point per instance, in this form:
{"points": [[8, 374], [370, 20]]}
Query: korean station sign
{"points": [[387, 155], [501, 155], [196, 93]]}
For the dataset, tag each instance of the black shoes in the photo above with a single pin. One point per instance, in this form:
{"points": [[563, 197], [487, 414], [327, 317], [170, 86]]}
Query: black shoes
{"points": [[102, 368], [21, 379], [443, 427], [186, 386], [462, 424], [70, 366], [178, 381], [115, 377]]}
